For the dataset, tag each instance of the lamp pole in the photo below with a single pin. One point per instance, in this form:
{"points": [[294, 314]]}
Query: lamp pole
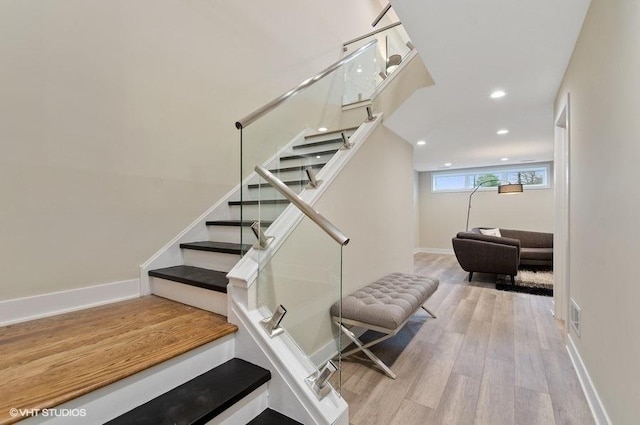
{"points": [[466, 229]]}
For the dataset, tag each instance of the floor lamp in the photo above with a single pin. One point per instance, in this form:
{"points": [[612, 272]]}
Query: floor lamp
{"points": [[502, 189]]}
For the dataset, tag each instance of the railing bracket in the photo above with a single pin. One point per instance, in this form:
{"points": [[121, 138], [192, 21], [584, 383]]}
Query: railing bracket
{"points": [[319, 381], [263, 240], [346, 144], [311, 175], [272, 324]]}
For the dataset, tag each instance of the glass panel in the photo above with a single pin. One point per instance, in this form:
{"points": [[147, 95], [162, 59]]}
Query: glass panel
{"points": [[278, 141], [305, 276], [372, 69]]}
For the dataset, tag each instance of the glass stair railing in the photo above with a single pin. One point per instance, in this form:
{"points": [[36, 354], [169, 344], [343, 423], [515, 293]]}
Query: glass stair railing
{"points": [[364, 76]]}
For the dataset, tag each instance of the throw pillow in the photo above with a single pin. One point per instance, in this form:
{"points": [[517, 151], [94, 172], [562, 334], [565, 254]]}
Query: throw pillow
{"points": [[491, 232]]}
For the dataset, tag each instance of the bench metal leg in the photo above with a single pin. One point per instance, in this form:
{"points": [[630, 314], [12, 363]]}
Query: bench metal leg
{"points": [[364, 349], [429, 311]]}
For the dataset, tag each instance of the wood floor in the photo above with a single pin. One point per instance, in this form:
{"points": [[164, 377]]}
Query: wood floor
{"points": [[490, 358], [46, 362]]}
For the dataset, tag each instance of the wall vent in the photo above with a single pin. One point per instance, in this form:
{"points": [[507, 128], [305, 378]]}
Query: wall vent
{"points": [[575, 317]]}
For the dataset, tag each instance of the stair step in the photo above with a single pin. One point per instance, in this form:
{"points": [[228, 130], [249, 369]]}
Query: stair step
{"points": [[309, 155], [201, 399], [320, 143], [296, 168], [194, 276], [271, 417], [237, 223], [288, 183], [258, 202], [223, 247]]}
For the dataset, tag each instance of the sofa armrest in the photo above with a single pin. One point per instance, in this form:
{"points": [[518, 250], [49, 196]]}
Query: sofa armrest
{"points": [[476, 255]]}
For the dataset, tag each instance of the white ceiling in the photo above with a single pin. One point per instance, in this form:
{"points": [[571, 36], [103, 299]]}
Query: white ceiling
{"points": [[471, 48]]}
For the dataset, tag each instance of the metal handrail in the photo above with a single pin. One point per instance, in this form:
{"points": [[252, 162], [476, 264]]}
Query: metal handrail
{"points": [[381, 15], [369, 34], [296, 200], [244, 122]]}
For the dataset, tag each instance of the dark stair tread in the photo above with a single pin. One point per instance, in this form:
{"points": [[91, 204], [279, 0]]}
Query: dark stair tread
{"points": [[194, 276], [288, 183], [271, 417], [223, 247], [296, 168], [201, 399], [309, 155], [237, 223], [263, 201], [320, 143]]}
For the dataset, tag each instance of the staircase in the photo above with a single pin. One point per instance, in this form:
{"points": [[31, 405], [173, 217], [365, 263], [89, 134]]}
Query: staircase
{"points": [[236, 391], [201, 280]]}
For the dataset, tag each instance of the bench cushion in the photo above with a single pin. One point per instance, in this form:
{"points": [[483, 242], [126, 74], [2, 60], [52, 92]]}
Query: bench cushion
{"points": [[388, 302]]}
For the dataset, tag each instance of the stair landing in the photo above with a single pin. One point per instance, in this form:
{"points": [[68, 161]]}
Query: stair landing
{"points": [[46, 362]]}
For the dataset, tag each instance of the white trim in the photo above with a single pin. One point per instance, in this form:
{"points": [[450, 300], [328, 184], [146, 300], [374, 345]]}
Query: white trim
{"points": [[433, 250], [595, 403], [45, 305]]}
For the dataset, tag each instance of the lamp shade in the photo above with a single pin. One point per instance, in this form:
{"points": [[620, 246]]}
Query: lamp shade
{"points": [[510, 188]]}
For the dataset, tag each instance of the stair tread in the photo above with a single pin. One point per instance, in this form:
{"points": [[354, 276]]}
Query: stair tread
{"points": [[271, 417], [237, 223], [297, 168], [320, 143], [212, 246], [195, 276], [261, 201], [202, 398], [288, 183], [308, 155]]}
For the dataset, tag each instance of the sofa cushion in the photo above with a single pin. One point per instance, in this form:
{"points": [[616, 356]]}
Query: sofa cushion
{"points": [[491, 232], [536, 253]]}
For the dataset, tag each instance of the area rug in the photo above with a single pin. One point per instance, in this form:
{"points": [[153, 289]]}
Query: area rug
{"points": [[537, 282]]}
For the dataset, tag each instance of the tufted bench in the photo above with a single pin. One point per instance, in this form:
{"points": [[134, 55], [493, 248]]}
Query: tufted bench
{"points": [[383, 306]]}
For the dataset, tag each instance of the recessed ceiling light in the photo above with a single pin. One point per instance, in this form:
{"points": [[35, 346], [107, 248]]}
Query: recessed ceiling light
{"points": [[318, 156], [503, 131], [322, 129], [447, 164], [504, 159], [498, 94], [421, 143]]}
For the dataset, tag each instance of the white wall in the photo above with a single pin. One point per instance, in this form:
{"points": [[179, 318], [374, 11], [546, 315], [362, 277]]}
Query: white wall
{"points": [[371, 202], [444, 214], [117, 120], [603, 80]]}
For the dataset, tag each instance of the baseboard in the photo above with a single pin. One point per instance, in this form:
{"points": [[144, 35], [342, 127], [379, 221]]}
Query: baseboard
{"points": [[39, 306], [595, 403], [428, 250]]}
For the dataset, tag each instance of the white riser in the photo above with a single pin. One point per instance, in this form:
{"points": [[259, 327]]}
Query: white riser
{"points": [[313, 149], [305, 161], [293, 175], [204, 299], [270, 193], [231, 234], [254, 212], [209, 260], [115, 399], [245, 410]]}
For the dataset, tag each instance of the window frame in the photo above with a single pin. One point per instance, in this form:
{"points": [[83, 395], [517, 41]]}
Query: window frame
{"points": [[466, 172]]}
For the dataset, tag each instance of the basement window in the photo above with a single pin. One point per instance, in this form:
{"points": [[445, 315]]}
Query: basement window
{"points": [[533, 176]]}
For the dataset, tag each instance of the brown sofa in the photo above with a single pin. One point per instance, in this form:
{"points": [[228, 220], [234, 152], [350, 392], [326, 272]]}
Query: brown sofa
{"points": [[505, 254]]}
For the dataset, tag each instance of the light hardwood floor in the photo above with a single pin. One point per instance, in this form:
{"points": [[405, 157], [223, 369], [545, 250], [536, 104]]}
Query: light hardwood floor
{"points": [[46, 362], [491, 357]]}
